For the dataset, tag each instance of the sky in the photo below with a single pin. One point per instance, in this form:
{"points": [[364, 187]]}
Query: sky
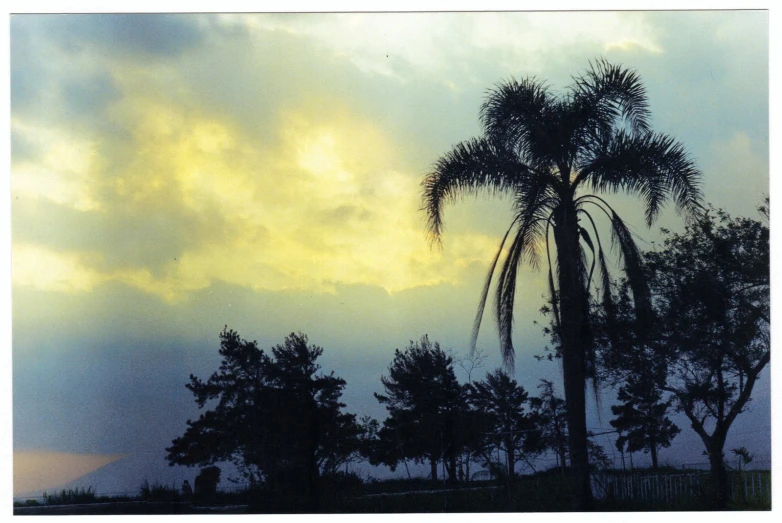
{"points": [[175, 174]]}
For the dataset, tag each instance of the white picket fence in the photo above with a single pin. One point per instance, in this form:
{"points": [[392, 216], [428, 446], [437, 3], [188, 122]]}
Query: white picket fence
{"points": [[665, 489]]}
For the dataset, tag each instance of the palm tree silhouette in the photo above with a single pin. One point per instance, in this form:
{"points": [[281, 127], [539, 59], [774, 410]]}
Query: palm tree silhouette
{"points": [[554, 153]]}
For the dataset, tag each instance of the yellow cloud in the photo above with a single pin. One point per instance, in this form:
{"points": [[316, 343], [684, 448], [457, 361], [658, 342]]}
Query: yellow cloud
{"points": [[61, 173], [328, 203], [44, 269], [36, 471], [629, 44]]}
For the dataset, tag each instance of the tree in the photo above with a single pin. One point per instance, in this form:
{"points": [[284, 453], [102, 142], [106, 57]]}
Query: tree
{"points": [[553, 154], [274, 416], [475, 424], [641, 419], [423, 399], [510, 427], [711, 295], [551, 418]]}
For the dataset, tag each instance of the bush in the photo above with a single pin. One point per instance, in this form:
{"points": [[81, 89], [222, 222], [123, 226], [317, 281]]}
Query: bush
{"points": [[70, 497], [158, 492]]}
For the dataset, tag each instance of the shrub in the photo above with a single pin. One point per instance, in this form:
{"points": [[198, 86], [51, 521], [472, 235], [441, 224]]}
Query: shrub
{"points": [[70, 497]]}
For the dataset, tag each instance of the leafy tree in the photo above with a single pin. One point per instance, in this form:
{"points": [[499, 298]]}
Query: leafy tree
{"points": [[553, 154], [710, 289], [424, 400], [475, 424], [510, 428], [274, 416], [641, 419], [551, 418]]}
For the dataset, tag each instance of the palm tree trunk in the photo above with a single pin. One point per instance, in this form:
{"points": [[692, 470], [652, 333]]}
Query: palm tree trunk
{"points": [[574, 332]]}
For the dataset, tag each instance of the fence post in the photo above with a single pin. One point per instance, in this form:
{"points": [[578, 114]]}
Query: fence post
{"points": [[692, 493], [667, 488], [753, 484]]}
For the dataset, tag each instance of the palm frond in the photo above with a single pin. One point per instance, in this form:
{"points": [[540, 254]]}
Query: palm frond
{"points": [[634, 270], [504, 299], [519, 115], [605, 276], [591, 356], [527, 235], [551, 287], [468, 168], [476, 326], [654, 166], [588, 240], [607, 92]]}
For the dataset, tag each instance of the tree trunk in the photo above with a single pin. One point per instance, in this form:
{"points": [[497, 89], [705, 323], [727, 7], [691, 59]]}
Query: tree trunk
{"points": [[433, 464], [511, 460], [653, 451], [719, 487], [313, 471], [574, 336], [451, 466]]}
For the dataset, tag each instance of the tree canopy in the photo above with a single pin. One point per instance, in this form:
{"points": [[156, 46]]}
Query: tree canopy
{"points": [[273, 415], [711, 334], [510, 426], [424, 401]]}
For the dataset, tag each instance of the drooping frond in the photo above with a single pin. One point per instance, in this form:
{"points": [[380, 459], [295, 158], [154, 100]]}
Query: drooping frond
{"points": [[653, 166], [605, 281], [504, 299], [551, 287], [630, 257], [607, 93], [605, 277], [470, 167], [531, 227], [587, 239], [532, 201], [476, 326]]}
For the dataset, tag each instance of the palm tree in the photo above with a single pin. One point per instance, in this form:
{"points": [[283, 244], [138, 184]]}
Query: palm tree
{"points": [[554, 153]]}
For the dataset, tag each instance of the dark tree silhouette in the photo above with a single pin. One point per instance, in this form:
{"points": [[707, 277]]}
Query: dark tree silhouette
{"points": [[551, 418], [274, 416], [510, 427], [641, 417], [206, 484], [553, 154], [424, 401], [711, 293]]}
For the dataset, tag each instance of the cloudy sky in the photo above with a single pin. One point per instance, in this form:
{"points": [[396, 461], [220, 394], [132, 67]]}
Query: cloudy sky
{"points": [[173, 174]]}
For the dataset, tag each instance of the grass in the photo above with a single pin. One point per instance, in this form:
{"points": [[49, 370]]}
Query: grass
{"points": [[70, 497], [158, 492], [545, 492]]}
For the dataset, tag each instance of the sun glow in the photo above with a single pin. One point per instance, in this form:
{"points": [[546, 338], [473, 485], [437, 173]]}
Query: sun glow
{"points": [[36, 471]]}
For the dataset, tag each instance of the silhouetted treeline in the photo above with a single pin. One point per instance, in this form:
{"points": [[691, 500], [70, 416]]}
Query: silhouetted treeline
{"points": [[281, 421]]}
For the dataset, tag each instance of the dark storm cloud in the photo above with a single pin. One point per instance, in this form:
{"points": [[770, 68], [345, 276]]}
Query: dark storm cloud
{"points": [[56, 60], [141, 36], [89, 95]]}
